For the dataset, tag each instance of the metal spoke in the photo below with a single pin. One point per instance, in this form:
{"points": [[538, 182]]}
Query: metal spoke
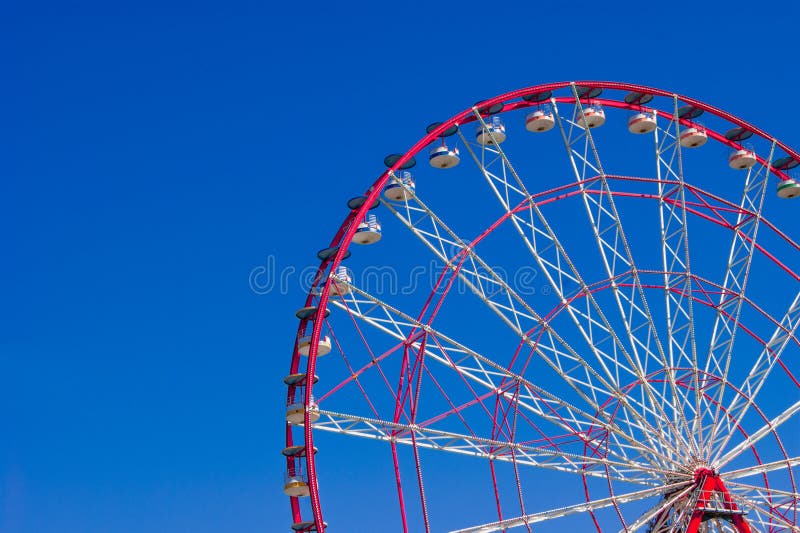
{"points": [[747, 502], [660, 507], [757, 377], [676, 261], [737, 274], [766, 429], [495, 450], [773, 497], [573, 509], [763, 468]]}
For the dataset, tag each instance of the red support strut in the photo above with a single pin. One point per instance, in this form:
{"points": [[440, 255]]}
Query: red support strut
{"points": [[709, 483]]}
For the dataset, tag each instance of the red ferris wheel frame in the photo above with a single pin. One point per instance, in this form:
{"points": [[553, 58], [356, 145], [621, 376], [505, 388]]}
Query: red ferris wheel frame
{"points": [[708, 482]]}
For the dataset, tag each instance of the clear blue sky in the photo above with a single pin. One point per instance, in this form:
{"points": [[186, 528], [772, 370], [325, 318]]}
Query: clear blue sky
{"points": [[153, 154]]}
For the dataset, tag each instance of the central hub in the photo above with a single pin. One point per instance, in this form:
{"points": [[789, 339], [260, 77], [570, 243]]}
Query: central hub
{"points": [[704, 472]]}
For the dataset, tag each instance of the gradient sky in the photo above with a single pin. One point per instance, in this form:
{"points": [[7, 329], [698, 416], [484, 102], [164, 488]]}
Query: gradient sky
{"points": [[153, 154]]}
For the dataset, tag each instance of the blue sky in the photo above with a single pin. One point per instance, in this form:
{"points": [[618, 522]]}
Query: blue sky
{"points": [[153, 154]]}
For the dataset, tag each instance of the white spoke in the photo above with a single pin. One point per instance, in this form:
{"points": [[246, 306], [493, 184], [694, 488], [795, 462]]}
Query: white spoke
{"points": [[676, 263], [495, 450], [773, 517], [769, 427], [664, 505], [763, 468], [572, 509], [757, 377], [772, 496], [726, 323]]}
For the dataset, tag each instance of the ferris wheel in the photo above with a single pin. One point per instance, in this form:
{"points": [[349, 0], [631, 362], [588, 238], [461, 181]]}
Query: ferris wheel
{"points": [[578, 314]]}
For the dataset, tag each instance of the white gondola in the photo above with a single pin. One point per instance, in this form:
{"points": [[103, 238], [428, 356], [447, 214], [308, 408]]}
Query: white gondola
{"points": [[788, 188], [443, 157], [323, 347], [694, 136], [591, 115], [540, 121], [742, 159], [401, 187], [493, 133], [295, 486], [296, 411], [368, 231], [340, 281], [642, 122]]}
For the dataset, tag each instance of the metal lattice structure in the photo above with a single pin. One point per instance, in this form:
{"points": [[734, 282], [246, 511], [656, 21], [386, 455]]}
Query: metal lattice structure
{"points": [[655, 363]]}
